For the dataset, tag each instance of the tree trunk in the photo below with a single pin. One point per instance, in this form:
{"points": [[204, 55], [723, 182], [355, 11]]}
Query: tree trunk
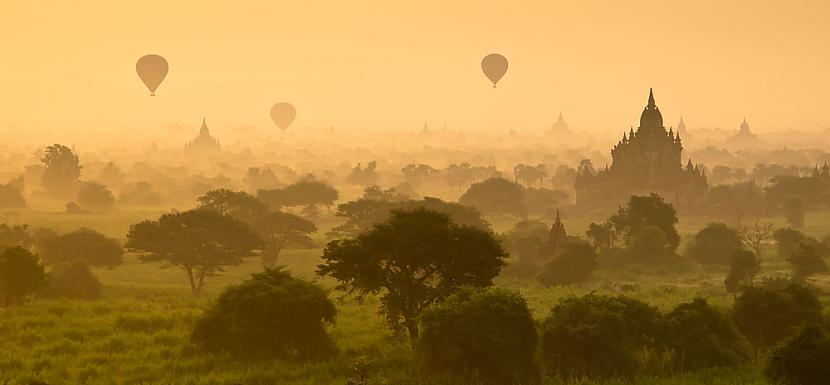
{"points": [[412, 328], [193, 287]]}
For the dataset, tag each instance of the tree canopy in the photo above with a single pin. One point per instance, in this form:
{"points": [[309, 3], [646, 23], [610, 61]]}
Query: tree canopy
{"points": [[496, 196], [21, 275], [89, 246]]}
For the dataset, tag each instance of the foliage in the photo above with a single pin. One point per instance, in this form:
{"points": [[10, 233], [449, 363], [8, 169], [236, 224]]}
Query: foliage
{"points": [[95, 196], [743, 268], [202, 242], [648, 245], [489, 333], [414, 259], [363, 214], [17, 235], [597, 336], [543, 201], [307, 193], [794, 211], [11, 197], [770, 313], [806, 260], [496, 196], [602, 236], [573, 262], [714, 244], [529, 175], [270, 313], [89, 246], [787, 240], [525, 242], [639, 219], [702, 337], [72, 279], [802, 360], [21, 275], [63, 169], [140, 194], [735, 200]]}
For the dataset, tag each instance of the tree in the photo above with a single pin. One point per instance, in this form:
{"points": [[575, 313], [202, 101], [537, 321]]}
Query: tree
{"points": [[771, 312], [496, 196], [702, 337], [307, 193], [787, 240], [21, 275], [418, 174], [72, 280], [744, 266], [140, 194], [602, 236], [261, 179], [529, 175], [647, 211], [489, 333], [756, 236], [574, 262], [89, 246], [364, 176], [526, 241], [270, 313], [202, 242], [714, 244], [61, 177], [806, 261], [277, 228], [794, 211], [17, 235], [413, 260], [95, 196], [543, 201], [801, 360], [597, 336], [11, 197]]}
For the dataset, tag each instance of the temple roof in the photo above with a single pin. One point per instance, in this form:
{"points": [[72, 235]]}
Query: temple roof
{"points": [[651, 116]]}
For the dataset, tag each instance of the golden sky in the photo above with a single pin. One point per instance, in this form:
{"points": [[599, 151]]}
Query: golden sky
{"points": [[70, 65]]}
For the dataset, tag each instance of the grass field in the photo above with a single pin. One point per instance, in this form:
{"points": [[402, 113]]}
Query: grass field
{"points": [[139, 332]]}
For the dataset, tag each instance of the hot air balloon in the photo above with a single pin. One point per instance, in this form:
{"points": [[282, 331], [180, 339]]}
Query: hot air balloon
{"points": [[151, 69], [283, 115], [494, 66]]}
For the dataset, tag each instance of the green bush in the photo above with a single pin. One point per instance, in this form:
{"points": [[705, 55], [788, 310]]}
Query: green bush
{"points": [[489, 333], [802, 360], [573, 263], [774, 311], [270, 313], [701, 337], [598, 336], [714, 244], [72, 280], [21, 275]]}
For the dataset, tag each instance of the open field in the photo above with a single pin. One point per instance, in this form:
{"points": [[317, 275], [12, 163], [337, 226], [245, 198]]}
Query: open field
{"points": [[139, 332]]}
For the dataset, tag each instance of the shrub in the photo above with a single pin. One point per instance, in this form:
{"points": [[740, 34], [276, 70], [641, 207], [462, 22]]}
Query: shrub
{"points": [[72, 280], [573, 263], [802, 360], [806, 261], [770, 313], [743, 269], [525, 242], [597, 336], [84, 245], [270, 313], [95, 196], [20, 276], [487, 332], [496, 196], [701, 337], [714, 244]]}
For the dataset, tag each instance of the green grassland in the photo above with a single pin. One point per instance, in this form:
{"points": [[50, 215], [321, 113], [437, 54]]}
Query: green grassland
{"points": [[139, 332]]}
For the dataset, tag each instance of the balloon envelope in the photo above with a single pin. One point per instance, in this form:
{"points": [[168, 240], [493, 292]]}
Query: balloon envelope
{"points": [[283, 115], [494, 66], [152, 69]]}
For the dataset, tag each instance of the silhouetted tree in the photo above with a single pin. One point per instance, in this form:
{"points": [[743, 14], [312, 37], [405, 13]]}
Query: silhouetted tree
{"points": [[486, 334], [543, 201], [17, 235], [261, 179], [787, 240], [714, 244], [11, 197], [744, 266], [756, 236], [573, 262], [270, 313], [771, 312], [794, 211], [806, 261], [202, 242], [414, 259], [801, 360], [95, 196], [641, 212], [140, 194], [496, 196], [602, 235], [418, 174], [61, 177], [72, 280], [364, 176], [525, 241], [111, 175], [309, 194], [85, 245], [21, 275], [529, 175]]}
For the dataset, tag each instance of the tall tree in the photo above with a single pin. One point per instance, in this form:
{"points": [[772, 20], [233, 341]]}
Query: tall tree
{"points": [[643, 212], [413, 260], [61, 177], [202, 242]]}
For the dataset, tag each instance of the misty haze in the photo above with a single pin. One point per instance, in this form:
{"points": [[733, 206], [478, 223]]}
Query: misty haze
{"points": [[415, 193]]}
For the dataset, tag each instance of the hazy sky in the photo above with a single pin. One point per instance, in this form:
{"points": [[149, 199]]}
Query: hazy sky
{"points": [[70, 65]]}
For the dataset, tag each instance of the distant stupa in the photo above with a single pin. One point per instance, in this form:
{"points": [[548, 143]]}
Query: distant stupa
{"points": [[204, 143], [560, 127], [744, 137], [556, 236], [683, 132]]}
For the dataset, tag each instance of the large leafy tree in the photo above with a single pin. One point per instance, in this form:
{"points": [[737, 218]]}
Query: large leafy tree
{"points": [[202, 242], [20, 276], [310, 194], [714, 244], [413, 260], [62, 173], [277, 228], [644, 212], [88, 246], [496, 196]]}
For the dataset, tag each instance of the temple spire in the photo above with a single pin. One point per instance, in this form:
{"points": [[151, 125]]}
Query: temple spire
{"points": [[651, 98], [204, 130], [558, 221]]}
